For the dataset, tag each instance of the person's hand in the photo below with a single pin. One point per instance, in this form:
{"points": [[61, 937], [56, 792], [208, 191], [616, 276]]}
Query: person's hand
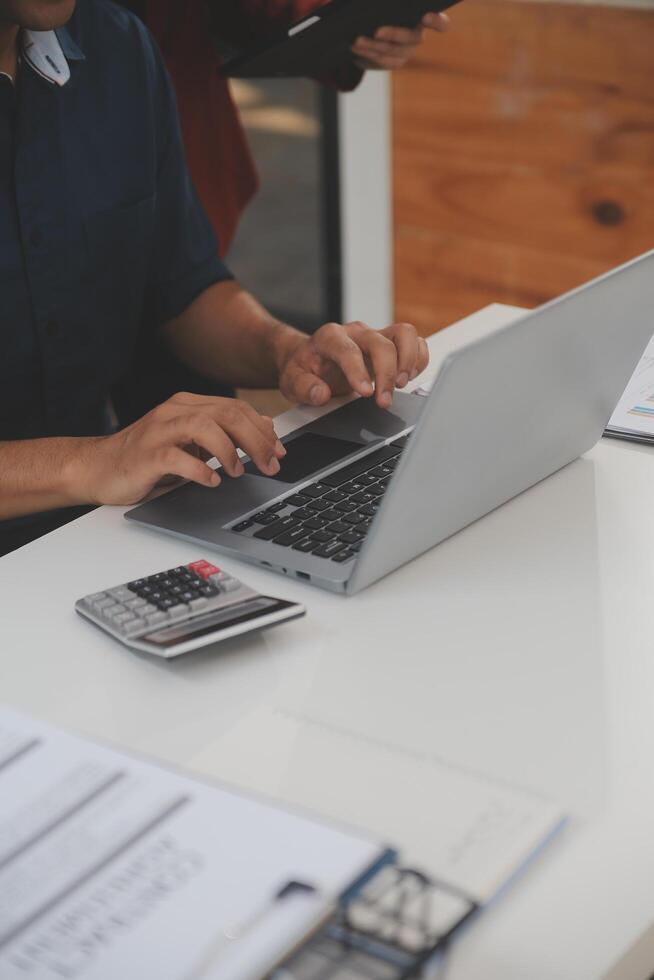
{"points": [[338, 360], [393, 47], [174, 440]]}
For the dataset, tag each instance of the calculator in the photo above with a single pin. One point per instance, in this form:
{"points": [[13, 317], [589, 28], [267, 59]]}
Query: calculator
{"points": [[182, 609]]}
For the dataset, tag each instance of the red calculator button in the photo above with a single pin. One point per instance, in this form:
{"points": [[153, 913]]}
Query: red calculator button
{"points": [[203, 568]]}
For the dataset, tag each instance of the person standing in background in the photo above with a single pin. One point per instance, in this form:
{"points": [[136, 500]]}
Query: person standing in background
{"points": [[218, 155]]}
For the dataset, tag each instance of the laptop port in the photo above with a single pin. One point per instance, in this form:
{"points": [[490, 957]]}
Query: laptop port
{"points": [[303, 575]]}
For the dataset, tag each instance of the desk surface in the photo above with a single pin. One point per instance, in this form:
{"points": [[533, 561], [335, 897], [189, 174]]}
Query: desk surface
{"points": [[520, 648]]}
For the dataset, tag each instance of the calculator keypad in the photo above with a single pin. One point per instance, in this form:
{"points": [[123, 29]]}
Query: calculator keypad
{"points": [[167, 597]]}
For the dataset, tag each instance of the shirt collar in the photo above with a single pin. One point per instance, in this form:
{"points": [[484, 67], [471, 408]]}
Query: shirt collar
{"points": [[48, 54]]}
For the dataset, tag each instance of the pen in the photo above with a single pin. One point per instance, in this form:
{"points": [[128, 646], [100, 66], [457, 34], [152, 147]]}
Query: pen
{"points": [[251, 949]]}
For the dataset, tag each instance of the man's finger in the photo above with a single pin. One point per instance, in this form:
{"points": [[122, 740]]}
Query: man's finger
{"points": [[304, 387], [260, 446], [230, 410], [404, 36], [199, 428], [407, 344], [221, 440], [368, 48], [382, 354], [423, 355], [436, 22], [265, 425], [333, 344], [423, 358], [216, 406], [173, 461], [380, 63]]}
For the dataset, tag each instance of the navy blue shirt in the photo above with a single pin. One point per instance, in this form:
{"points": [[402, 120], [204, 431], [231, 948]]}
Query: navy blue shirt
{"points": [[101, 232]]}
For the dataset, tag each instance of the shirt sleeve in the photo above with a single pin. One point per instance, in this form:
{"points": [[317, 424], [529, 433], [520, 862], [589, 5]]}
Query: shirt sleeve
{"points": [[185, 254]]}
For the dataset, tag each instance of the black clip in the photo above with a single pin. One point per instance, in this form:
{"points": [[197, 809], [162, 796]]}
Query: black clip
{"points": [[390, 930]]}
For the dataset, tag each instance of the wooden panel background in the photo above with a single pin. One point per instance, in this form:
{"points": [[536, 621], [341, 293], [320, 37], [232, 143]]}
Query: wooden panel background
{"points": [[524, 155]]}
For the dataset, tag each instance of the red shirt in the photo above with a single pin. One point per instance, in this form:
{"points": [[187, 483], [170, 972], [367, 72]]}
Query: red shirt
{"points": [[219, 158]]}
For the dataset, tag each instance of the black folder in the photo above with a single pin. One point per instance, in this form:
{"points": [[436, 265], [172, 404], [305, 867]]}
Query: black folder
{"points": [[321, 42]]}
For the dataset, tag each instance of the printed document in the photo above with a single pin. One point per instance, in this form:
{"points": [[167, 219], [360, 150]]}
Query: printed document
{"points": [[111, 867], [633, 417]]}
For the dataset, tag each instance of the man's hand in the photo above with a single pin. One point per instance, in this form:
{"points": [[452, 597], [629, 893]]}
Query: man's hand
{"points": [[173, 441], [228, 331], [340, 359], [393, 47]]}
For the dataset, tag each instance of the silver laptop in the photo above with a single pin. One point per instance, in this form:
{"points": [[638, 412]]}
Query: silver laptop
{"points": [[362, 491]]}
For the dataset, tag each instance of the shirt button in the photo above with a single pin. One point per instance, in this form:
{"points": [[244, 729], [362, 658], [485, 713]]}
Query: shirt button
{"points": [[52, 328], [36, 237]]}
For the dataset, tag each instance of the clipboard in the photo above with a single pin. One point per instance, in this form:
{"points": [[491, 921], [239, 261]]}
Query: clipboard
{"points": [[321, 42]]}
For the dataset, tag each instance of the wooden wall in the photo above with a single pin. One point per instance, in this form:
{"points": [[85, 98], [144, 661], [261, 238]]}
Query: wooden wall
{"points": [[524, 155]]}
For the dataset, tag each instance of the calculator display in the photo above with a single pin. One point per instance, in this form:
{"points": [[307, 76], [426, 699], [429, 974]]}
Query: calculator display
{"points": [[224, 618]]}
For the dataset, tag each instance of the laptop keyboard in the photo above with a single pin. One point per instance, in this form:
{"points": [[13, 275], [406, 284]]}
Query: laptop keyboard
{"points": [[331, 517]]}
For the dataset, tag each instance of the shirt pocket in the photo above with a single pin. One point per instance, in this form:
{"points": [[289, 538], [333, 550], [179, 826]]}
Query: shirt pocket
{"points": [[118, 248]]}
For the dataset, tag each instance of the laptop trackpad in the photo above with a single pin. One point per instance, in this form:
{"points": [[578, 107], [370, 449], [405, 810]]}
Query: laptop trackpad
{"points": [[308, 454]]}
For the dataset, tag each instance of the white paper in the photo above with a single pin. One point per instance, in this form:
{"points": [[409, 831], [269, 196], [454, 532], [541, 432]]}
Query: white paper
{"points": [[634, 414], [113, 868]]}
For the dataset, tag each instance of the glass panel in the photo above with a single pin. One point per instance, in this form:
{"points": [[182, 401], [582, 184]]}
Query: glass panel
{"points": [[280, 249]]}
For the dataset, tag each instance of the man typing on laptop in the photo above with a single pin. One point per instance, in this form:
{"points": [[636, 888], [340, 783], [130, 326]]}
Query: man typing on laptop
{"points": [[100, 232]]}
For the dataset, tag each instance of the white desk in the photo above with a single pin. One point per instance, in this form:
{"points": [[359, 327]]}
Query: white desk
{"points": [[521, 647]]}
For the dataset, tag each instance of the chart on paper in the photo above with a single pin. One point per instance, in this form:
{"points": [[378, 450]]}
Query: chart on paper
{"points": [[633, 417]]}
